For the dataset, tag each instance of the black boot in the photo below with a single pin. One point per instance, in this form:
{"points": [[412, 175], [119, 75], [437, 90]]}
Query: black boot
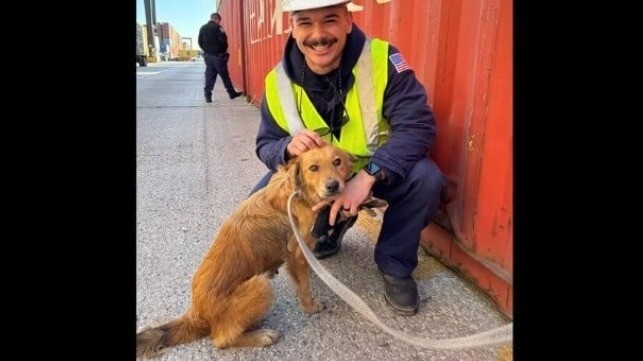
{"points": [[328, 245], [401, 293]]}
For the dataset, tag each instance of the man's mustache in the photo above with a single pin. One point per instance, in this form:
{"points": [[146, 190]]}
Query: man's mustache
{"points": [[324, 41]]}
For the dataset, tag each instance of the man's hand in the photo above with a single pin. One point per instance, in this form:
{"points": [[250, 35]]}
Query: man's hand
{"points": [[303, 141], [357, 190]]}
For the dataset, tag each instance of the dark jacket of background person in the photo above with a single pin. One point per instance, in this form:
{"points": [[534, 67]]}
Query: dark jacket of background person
{"points": [[213, 39]]}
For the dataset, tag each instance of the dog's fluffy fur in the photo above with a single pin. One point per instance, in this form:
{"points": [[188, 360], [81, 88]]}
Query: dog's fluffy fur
{"points": [[230, 291]]}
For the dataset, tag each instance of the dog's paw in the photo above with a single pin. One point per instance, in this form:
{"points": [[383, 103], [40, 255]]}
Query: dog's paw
{"points": [[313, 306], [267, 336]]}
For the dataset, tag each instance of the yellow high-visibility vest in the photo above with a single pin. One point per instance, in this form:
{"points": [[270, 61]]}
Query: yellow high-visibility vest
{"points": [[366, 129]]}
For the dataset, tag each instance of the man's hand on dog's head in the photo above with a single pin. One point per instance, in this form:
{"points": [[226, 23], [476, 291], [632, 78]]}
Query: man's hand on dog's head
{"points": [[303, 141]]}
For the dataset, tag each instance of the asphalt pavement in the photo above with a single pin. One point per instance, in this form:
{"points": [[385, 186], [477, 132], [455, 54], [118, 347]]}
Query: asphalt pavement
{"points": [[195, 164]]}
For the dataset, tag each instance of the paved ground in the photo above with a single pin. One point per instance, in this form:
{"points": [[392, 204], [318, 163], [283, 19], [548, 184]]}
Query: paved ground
{"points": [[195, 163]]}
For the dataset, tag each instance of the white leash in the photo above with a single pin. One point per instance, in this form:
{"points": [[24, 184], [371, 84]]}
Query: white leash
{"points": [[494, 336]]}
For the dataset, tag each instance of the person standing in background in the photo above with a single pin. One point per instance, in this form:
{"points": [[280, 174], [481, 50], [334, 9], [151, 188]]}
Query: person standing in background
{"points": [[214, 43]]}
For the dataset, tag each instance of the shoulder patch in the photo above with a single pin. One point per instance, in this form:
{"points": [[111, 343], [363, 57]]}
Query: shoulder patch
{"points": [[399, 62]]}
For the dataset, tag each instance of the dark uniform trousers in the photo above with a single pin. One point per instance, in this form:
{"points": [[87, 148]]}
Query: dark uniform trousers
{"points": [[217, 64], [412, 204]]}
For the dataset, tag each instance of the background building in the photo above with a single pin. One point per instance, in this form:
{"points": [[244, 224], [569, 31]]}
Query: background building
{"points": [[186, 43], [170, 40]]}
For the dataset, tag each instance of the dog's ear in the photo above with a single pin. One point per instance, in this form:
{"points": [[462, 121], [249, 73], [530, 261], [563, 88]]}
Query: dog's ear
{"points": [[294, 173]]}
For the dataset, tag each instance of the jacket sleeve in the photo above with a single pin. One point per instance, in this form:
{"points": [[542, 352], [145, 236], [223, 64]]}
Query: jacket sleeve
{"points": [[412, 123], [271, 140]]}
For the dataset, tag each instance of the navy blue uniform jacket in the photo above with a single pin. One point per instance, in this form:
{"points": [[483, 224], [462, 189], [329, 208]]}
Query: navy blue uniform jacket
{"points": [[213, 39], [405, 107]]}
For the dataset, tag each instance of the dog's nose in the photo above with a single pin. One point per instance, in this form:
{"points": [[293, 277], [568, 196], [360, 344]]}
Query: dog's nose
{"points": [[332, 186]]}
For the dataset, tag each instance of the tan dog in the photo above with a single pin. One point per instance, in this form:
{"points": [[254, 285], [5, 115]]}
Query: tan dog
{"points": [[230, 290]]}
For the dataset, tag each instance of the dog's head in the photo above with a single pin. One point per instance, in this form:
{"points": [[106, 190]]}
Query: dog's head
{"points": [[320, 173]]}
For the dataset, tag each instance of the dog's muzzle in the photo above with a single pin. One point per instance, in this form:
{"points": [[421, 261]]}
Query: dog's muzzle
{"points": [[332, 187]]}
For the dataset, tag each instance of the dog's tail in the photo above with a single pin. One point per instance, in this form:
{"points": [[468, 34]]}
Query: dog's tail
{"points": [[151, 342]]}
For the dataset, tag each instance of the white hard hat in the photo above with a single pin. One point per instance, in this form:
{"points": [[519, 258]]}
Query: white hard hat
{"points": [[296, 5]]}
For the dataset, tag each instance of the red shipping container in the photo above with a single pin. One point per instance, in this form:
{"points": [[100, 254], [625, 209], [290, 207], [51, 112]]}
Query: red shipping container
{"points": [[462, 52]]}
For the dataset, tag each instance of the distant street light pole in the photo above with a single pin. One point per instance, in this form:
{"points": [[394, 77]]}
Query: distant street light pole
{"points": [[150, 18]]}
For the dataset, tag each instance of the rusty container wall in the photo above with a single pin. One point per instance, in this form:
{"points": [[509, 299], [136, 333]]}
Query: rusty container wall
{"points": [[461, 50], [473, 104], [232, 21]]}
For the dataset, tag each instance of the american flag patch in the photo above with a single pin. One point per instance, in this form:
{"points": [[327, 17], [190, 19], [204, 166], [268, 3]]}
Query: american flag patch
{"points": [[398, 62]]}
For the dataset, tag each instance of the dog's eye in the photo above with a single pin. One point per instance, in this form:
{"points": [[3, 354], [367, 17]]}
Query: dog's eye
{"points": [[337, 162], [313, 168]]}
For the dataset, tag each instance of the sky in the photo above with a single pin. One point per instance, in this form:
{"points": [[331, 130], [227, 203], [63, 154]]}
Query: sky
{"points": [[186, 16]]}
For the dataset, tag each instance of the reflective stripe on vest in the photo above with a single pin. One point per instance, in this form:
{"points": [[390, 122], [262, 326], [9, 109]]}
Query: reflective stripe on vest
{"points": [[287, 99], [364, 103]]}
